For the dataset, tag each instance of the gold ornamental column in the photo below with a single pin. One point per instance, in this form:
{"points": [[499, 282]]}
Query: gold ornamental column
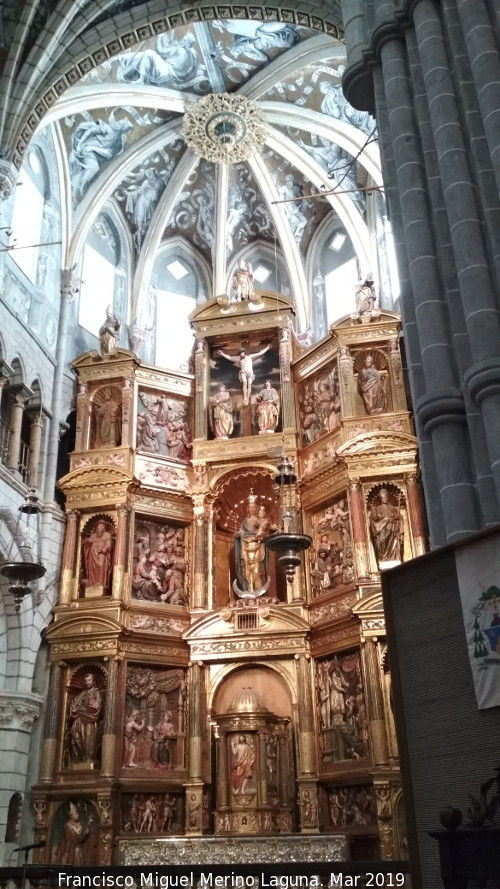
{"points": [[34, 450], [82, 417], [396, 377], [221, 777], [68, 557], [346, 380], [307, 736], [375, 702], [201, 389], [200, 553], [287, 415], [127, 402], [415, 514], [109, 726], [196, 707], [360, 542], [51, 726], [262, 735], [120, 551]]}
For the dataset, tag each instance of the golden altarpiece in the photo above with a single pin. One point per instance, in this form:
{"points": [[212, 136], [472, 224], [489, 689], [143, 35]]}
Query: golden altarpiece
{"points": [[193, 690]]}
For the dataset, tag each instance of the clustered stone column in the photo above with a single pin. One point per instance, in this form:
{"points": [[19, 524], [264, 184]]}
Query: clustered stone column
{"points": [[430, 72], [34, 449], [16, 418]]}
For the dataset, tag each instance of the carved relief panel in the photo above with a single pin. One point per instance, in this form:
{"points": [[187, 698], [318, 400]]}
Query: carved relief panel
{"points": [[163, 425], [96, 558], [341, 709], [106, 418], [84, 717], [353, 806], [160, 566], [151, 813], [245, 397], [319, 404], [154, 720], [331, 556], [74, 835]]}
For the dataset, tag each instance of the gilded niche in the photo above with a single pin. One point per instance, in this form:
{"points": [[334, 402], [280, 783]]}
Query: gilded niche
{"points": [[319, 405], [160, 567], [331, 556], [97, 556], [244, 390], [154, 720], [84, 717], [163, 426], [106, 418], [159, 813], [371, 373], [74, 837], [341, 709]]}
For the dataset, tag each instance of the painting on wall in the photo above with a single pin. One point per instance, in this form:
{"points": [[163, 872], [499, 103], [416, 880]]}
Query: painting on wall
{"points": [[341, 709], [319, 405], [163, 425], [159, 563], [154, 720], [245, 390], [331, 556]]}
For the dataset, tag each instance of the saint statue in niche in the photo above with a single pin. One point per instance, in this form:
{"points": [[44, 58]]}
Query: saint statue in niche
{"points": [[73, 846], [386, 526], [242, 763], [84, 729], [108, 334], [268, 408], [222, 413], [251, 555], [243, 281], [109, 421], [97, 550], [371, 388]]}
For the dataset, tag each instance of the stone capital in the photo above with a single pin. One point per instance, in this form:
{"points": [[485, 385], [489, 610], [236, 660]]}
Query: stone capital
{"points": [[18, 710], [9, 175]]}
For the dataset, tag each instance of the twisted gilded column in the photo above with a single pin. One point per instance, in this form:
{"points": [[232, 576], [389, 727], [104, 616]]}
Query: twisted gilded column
{"points": [[359, 538], [287, 411], [120, 554], [110, 722], [51, 726], [375, 702]]}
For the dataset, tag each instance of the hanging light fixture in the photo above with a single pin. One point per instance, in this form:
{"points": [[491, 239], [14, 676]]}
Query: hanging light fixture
{"points": [[287, 541], [29, 568]]}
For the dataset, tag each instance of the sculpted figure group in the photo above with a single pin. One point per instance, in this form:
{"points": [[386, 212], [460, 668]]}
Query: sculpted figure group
{"points": [[160, 567], [163, 428], [342, 710], [266, 405]]}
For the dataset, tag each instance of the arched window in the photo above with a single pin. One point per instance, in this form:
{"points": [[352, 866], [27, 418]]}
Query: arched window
{"points": [[104, 275], [13, 829], [28, 213]]}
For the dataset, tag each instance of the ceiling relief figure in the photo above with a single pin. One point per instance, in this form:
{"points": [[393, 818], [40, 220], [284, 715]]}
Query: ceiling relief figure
{"points": [[341, 709], [154, 720], [159, 570], [93, 144], [141, 191]]}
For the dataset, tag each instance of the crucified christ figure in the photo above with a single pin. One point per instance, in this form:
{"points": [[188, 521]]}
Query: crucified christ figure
{"points": [[245, 364]]}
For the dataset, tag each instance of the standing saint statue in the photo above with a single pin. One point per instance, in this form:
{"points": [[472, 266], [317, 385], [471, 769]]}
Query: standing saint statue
{"points": [[251, 555], [268, 408], [73, 840], [97, 549], [110, 425], [371, 388], [222, 413], [242, 763], [84, 714], [364, 295], [245, 362], [243, 281], [108, 333], [386, 526]]}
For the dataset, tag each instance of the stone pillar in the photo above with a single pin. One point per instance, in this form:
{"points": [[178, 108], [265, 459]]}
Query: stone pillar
{"points": [[221, 774], [110, 722], [16, 419], [82, 418], [415, 514], [466, 226], [346, 381], [68, 557], [34, 450], [375, 702], [127, 404], [196, 707], [120, 553], [52, 722], [359, 538], [201, 562], [69, 287], [441, 411], [201, 389], [19, 710], [287, 409], [307, 735]]}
